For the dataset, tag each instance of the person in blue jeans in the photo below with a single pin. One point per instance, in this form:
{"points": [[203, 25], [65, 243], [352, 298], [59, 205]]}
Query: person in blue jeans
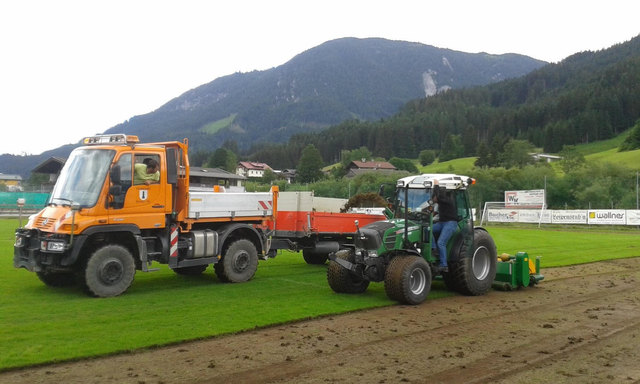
{"points": [[446, 225]]}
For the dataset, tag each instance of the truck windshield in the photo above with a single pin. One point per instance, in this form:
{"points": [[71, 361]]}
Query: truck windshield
{"points": [[416, 199], [82, 177]]}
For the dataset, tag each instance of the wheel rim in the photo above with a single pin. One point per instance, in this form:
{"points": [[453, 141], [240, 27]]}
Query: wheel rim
{"points": [[417, 281], [241, 261], [111, 271], [481, 263]]}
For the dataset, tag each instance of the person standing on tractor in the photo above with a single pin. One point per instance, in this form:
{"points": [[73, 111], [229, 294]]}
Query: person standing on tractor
{"points": [[446, 225]]}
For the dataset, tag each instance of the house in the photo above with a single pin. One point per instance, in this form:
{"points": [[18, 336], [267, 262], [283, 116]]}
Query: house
{"points": [[545, 157], [251, 169], [12, 182], [52, 167], [200, 177], [356, 167]]}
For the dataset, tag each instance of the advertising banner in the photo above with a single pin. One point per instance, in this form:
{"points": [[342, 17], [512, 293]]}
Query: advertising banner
{"points": [[633, 217], [569, 217], [532, 198], [607, 216], [502, 215], [533, 216]]}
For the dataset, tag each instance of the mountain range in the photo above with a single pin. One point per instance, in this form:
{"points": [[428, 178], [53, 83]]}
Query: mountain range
{"points": [[348, 78]]}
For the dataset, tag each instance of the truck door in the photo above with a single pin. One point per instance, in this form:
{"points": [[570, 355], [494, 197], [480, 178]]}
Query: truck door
{"points": [[137, 198]]}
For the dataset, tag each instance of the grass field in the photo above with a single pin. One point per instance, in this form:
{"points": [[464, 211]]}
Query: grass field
{"points": [[39, 324]]}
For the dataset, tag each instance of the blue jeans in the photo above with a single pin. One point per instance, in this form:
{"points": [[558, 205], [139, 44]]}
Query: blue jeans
{"points": [[446, 230]]}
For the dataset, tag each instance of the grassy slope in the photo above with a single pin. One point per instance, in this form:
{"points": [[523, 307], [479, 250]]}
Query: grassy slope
{"points": [[215, 126]]}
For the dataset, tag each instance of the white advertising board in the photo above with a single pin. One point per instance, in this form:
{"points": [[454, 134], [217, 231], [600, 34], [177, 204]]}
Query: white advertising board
{"points": [[531, 198], [568, 217], [502, 215], [533, 216], [633, 217], [607, 216]]}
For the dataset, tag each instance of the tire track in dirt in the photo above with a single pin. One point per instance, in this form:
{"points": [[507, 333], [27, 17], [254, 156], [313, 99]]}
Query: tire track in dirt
{"points": [[581, 324]]}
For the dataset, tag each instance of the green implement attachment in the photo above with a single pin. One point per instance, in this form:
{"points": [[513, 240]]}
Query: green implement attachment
{"points": [[517, 271]]}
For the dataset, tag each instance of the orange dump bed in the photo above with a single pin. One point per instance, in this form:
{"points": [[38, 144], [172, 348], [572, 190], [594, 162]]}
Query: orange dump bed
{"points": [[305, 223]]}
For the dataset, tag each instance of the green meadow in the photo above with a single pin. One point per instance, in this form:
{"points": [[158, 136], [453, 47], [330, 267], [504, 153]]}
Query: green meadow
{"points": [[39, 324]]}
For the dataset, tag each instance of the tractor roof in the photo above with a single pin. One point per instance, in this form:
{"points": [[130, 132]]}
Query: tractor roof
{"points": [[446, 180]]}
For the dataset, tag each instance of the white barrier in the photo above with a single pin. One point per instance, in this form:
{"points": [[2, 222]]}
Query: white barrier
{"points": [[591, 216]]}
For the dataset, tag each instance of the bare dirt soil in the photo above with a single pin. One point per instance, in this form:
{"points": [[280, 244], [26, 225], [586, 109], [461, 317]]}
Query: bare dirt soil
{"points": [[580, 325]]}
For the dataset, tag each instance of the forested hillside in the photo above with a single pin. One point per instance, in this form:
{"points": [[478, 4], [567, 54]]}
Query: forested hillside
{"points": [[587, 97], [349, 78]]}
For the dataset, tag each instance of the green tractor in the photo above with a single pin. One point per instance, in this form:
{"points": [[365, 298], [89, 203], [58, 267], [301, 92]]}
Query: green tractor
{"points": [[399, 252]]}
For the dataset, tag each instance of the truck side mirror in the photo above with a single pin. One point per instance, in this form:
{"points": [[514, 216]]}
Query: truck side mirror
{"points": [[114, 174]]}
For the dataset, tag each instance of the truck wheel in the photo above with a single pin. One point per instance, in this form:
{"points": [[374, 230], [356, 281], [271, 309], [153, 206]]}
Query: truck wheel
{"points": [[239, 262], [314, 258], [190, 271], [109, 271], [341, 280], [473, 274], [408, 280], [57, 279]]}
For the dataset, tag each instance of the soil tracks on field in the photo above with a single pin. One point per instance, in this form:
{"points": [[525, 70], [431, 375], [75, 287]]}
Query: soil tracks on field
{"points": [[580, 325]]}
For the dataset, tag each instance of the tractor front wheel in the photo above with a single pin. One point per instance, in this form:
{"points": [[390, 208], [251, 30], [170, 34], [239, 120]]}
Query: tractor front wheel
{"points": [[109, 271], [341, 280]]}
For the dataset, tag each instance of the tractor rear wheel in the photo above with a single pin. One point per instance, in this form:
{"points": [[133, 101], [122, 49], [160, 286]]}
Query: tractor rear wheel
{"points": [[341, 280], [408, 280], [473, 272]]}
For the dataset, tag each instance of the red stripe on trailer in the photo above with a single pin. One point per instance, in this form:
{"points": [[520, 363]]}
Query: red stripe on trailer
{"points": [[263, 204], [173, 251]]}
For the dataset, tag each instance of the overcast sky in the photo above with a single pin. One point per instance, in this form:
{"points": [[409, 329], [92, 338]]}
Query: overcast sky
{"points": [[69, 69]]}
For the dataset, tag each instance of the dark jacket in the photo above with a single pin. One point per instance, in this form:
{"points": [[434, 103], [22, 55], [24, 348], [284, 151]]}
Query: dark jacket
{"points": [[446, 204]]}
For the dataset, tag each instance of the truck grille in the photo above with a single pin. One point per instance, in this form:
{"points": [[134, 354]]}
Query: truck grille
{"points": [[44, 223]]}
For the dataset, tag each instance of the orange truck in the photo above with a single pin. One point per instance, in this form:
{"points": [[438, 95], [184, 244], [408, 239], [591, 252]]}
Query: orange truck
{"points": [[315, 225], [119, 205]]}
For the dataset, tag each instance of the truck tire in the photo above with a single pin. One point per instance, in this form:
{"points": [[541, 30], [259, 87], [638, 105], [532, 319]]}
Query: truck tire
{"points": [[408, 280], [473, 275], [239, 262], [109, 271], [314, 258], [57, 279], [341, 280], [190, 271]]}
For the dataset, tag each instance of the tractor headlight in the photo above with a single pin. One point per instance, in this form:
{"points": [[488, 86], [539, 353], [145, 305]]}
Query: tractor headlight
{"points": [[19, 241]]}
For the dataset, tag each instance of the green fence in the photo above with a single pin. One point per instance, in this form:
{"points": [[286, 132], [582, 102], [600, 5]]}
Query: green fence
{"points": [[33, 201]]}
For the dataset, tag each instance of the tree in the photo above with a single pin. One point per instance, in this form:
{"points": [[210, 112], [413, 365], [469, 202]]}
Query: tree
{"points": [[224, 159], [517, 153], [404, 164], [427, 157], [310, 165], [633, 140], [571, 158]]}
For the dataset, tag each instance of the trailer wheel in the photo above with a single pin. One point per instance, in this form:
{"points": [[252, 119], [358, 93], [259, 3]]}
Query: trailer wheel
{"points": [[314, 258], [239, 262], [473, 274], [109, 271], [341, 280], [57, 279], [190, 271], [408, 280]]}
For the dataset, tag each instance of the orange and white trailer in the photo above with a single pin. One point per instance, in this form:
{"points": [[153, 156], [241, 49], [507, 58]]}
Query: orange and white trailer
{"points": [[315, 225]]}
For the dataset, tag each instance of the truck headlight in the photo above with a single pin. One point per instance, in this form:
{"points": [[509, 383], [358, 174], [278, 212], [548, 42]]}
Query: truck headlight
{"points": [[19, 241], [52, 246]]}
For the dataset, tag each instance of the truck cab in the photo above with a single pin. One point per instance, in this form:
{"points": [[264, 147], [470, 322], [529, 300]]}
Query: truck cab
{"points": [[118, 205]]}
